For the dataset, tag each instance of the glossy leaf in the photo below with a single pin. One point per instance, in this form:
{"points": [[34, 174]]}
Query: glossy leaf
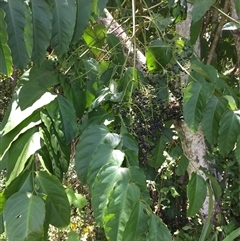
{"points": [[64, 16], [52, 188], [16, 114], [84, 9], [16, 22], [25, 220], [42, 29], [230, 26], [196, 192], [228, 132], [196, 96], [90, 140], [157, 230], [21, 150], [200, 7], [5, 55], [214, 110], [102, 187], [119, 208], [103, 155]]}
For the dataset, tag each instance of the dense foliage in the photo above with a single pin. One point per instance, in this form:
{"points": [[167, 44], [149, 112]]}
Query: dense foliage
{"points": [[79, 98]]}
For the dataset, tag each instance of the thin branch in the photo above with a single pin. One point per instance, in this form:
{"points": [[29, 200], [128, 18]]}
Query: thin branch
{"points": [[217, 34], [129, 49]]}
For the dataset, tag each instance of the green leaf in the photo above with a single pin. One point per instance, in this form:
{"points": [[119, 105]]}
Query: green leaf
{"points": [[237, 150], [215, 186], [5, 54], [103, 186], [195, 30], [64, 117], [42, 29], [36, 82], [196, 192], [52, 188], [94, 37], [20, 151], [228, 132], [157, 230], [116, 49], [233, 235], [72, 236], [89, 142], [104, 154], [213, 113], [84, 9], [158, 55], [9, 137], [206, 71], [200, 7], [76, 199], [157, 157], [16, 22], [2, 201], [182, 166], [16, 114], [25, 220], [196, 95], [1, 223], [119, 208], [64, 16], [136, 226], [237, 6]]}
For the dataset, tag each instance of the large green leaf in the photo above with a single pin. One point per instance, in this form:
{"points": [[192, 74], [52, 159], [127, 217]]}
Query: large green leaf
{"points": [[16, 114], [237, 151], [103, 186], [158, 55], [7, 139], [21, 149], [42, 29], [52, 188], [200, 7], [36, 82], [119, 208], [196, 96], [157, 230], [137, 225], [233, 235], [196, 192], [25, 220], [214, 110], [16, 22], [5, 55], [64, 16], [228, 132], [90, 140], [103, 155], [64, 117], [84, 10]]}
